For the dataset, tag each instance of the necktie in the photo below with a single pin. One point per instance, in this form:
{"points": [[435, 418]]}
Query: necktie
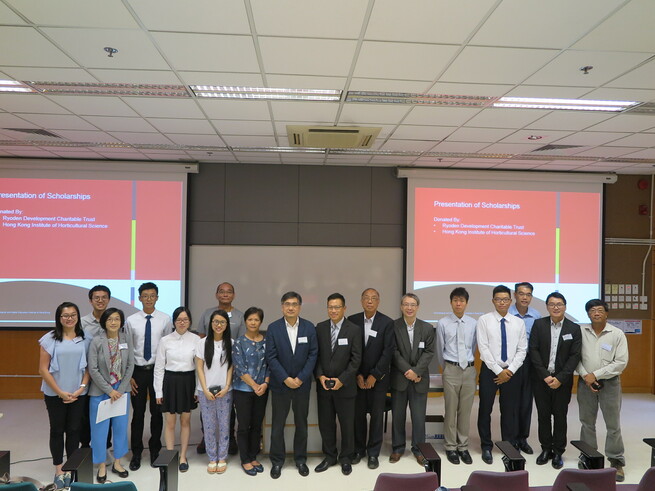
{"points": [[503, 340], [462, 357], [147, 351], [333, 336]]}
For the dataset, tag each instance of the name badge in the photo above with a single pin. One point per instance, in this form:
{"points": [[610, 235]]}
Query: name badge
{"points": [[122, 346], [302, 340], [342, 342], [421, 345], [606, 347], [229, 314], [567, 337], [373, 334]]}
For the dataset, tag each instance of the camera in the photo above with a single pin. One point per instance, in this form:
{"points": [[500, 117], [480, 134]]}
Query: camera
{"points": [[597, 385], [214, 389], [330, 384]]}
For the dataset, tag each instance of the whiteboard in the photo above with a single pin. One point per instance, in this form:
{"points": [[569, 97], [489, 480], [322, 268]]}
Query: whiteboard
{"points": [[261, 274]]}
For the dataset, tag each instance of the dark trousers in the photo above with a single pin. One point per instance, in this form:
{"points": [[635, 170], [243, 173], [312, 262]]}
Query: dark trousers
{"points": [[144, 381], [281, 403], [331, 406], [250, 409], [509, 408], [64, 419], [418, 402], [369, 401], [525, 401], [552, 408]]}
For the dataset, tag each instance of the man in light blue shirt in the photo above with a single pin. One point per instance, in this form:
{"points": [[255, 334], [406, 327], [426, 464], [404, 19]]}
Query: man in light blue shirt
{"points": [[456, 344], [522, 310]]}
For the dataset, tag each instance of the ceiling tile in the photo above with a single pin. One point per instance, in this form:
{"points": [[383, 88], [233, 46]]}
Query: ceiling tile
{"points": [[568, 120], [29, 103], [609, 94], [484, 90], [89, 13], [93, 105], [141, 138], [208, 140], [251, 141], [479, 134], [262, 128], [82, 136], [387, 85], [649, 153], [8, 17], [510, 148], [442, 116], [637, 140], [525, 23], [244, 110], [58, 121], [496, 65], [406, 132], [505, 118], [305, 111], [193, 126], [86, 46], [306, 82], [30, 48], [456, 147], [426, 21], [340, 19], [590, 138], [409, 145], [307, 56], [48, 74], [639, 78], [153, 107], [403, 60], [109, 123], [10, 121], [189, 51], [544, 91], [226, 16], [222, 78], [372, 114], [625, 122], [607, 151], [136, 76], [547, 137]]}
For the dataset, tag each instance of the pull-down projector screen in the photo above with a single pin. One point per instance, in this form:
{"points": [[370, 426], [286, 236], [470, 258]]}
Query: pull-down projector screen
{"points": [[64, 232], [479, 229]]}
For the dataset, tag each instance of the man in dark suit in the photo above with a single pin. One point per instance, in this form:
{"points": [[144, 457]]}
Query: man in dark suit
{"points": [[339, 356], [291, 352], [410, 379], [555, 348], [379, 344]]}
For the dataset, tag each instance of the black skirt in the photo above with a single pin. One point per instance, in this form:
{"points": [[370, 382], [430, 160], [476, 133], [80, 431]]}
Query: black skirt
{"points": [[179, 392]]}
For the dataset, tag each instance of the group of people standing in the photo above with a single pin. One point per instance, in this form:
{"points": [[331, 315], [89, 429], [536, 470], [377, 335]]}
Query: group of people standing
{"points": [[228, 367]]}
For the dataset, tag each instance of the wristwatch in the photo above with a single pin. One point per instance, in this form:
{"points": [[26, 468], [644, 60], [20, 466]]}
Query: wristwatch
{"points": [[82, 386]]}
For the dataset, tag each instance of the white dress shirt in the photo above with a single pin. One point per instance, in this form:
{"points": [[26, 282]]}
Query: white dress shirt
{"points": [[292, 331], [368, 327], [175, 353], [490, 342], [136, 327]]}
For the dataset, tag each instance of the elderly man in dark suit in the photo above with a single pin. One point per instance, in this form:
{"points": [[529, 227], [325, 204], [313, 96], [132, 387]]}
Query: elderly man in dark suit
{"points": [[339, 356], [379, 344], [555, 348], [291, 352], [410, 379]]}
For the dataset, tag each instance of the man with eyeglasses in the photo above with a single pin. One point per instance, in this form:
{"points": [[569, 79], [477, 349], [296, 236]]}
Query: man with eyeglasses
{"points": [[146, 327], [225, 296], [378, 346], [291, 352], [410, 378], [555, 345], [521, 309], [339, 356], [502, 343], [604, 357]]}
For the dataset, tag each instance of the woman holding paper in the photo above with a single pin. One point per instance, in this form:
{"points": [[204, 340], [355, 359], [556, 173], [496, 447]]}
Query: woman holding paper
{"points": [[111, 363]]}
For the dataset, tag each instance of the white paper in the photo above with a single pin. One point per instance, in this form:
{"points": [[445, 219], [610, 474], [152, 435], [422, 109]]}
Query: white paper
{"points": [[108, 410]]}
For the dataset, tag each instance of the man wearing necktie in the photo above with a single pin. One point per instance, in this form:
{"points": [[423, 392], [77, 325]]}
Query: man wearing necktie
{"points": [[146, 327], [456, 343], [502, 343], [339, 356]]}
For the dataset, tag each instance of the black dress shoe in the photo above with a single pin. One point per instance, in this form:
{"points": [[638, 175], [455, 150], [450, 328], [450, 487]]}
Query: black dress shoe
{"points": [[525, 448], [557, 462], [276, 471], [373, 463], [356, 459], [487, 458], [153, 457], [135, 463], [122, 473], [544, 457], [101, 479], [346, 469], [303, 470], [452, 457], [324, 465], [465, 456]]}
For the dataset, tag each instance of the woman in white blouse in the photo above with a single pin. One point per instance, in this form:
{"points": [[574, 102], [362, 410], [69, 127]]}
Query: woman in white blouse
{"points": [[214, 366], [174, 380]]}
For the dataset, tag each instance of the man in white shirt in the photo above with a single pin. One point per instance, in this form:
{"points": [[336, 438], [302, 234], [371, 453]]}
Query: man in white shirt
{"points": [[146, 327], [456, 343], [604, 357], [502, 343]]}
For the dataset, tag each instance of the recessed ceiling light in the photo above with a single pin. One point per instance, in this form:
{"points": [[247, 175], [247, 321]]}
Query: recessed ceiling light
{"points": [[419, 99], [236, 92], [117, 89], [14, 86], [563, 104], [535, 137]]}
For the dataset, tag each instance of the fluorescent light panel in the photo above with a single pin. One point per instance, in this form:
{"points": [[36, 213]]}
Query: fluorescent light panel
{"points": [[238, 92], [563, 104], [14, 86], [116, 89], [419, 99]]}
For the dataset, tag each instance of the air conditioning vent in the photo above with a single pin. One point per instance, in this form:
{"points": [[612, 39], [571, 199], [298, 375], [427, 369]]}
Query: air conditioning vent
{"points": [[35, 133], [332, 136]]}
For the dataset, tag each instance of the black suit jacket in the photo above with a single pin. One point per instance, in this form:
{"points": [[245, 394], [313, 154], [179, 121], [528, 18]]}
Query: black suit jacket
{"points": [[568, 349], [378, 351], [344, 361]]}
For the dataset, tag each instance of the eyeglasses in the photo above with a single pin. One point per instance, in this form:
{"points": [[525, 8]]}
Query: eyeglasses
{"points": [[409, 305], [216, 322], [502, 300], [291, 304], [100, 299], [226, 292], [555, 305], [184, 321], [148, 297], [332, 307], [69, 316]]}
